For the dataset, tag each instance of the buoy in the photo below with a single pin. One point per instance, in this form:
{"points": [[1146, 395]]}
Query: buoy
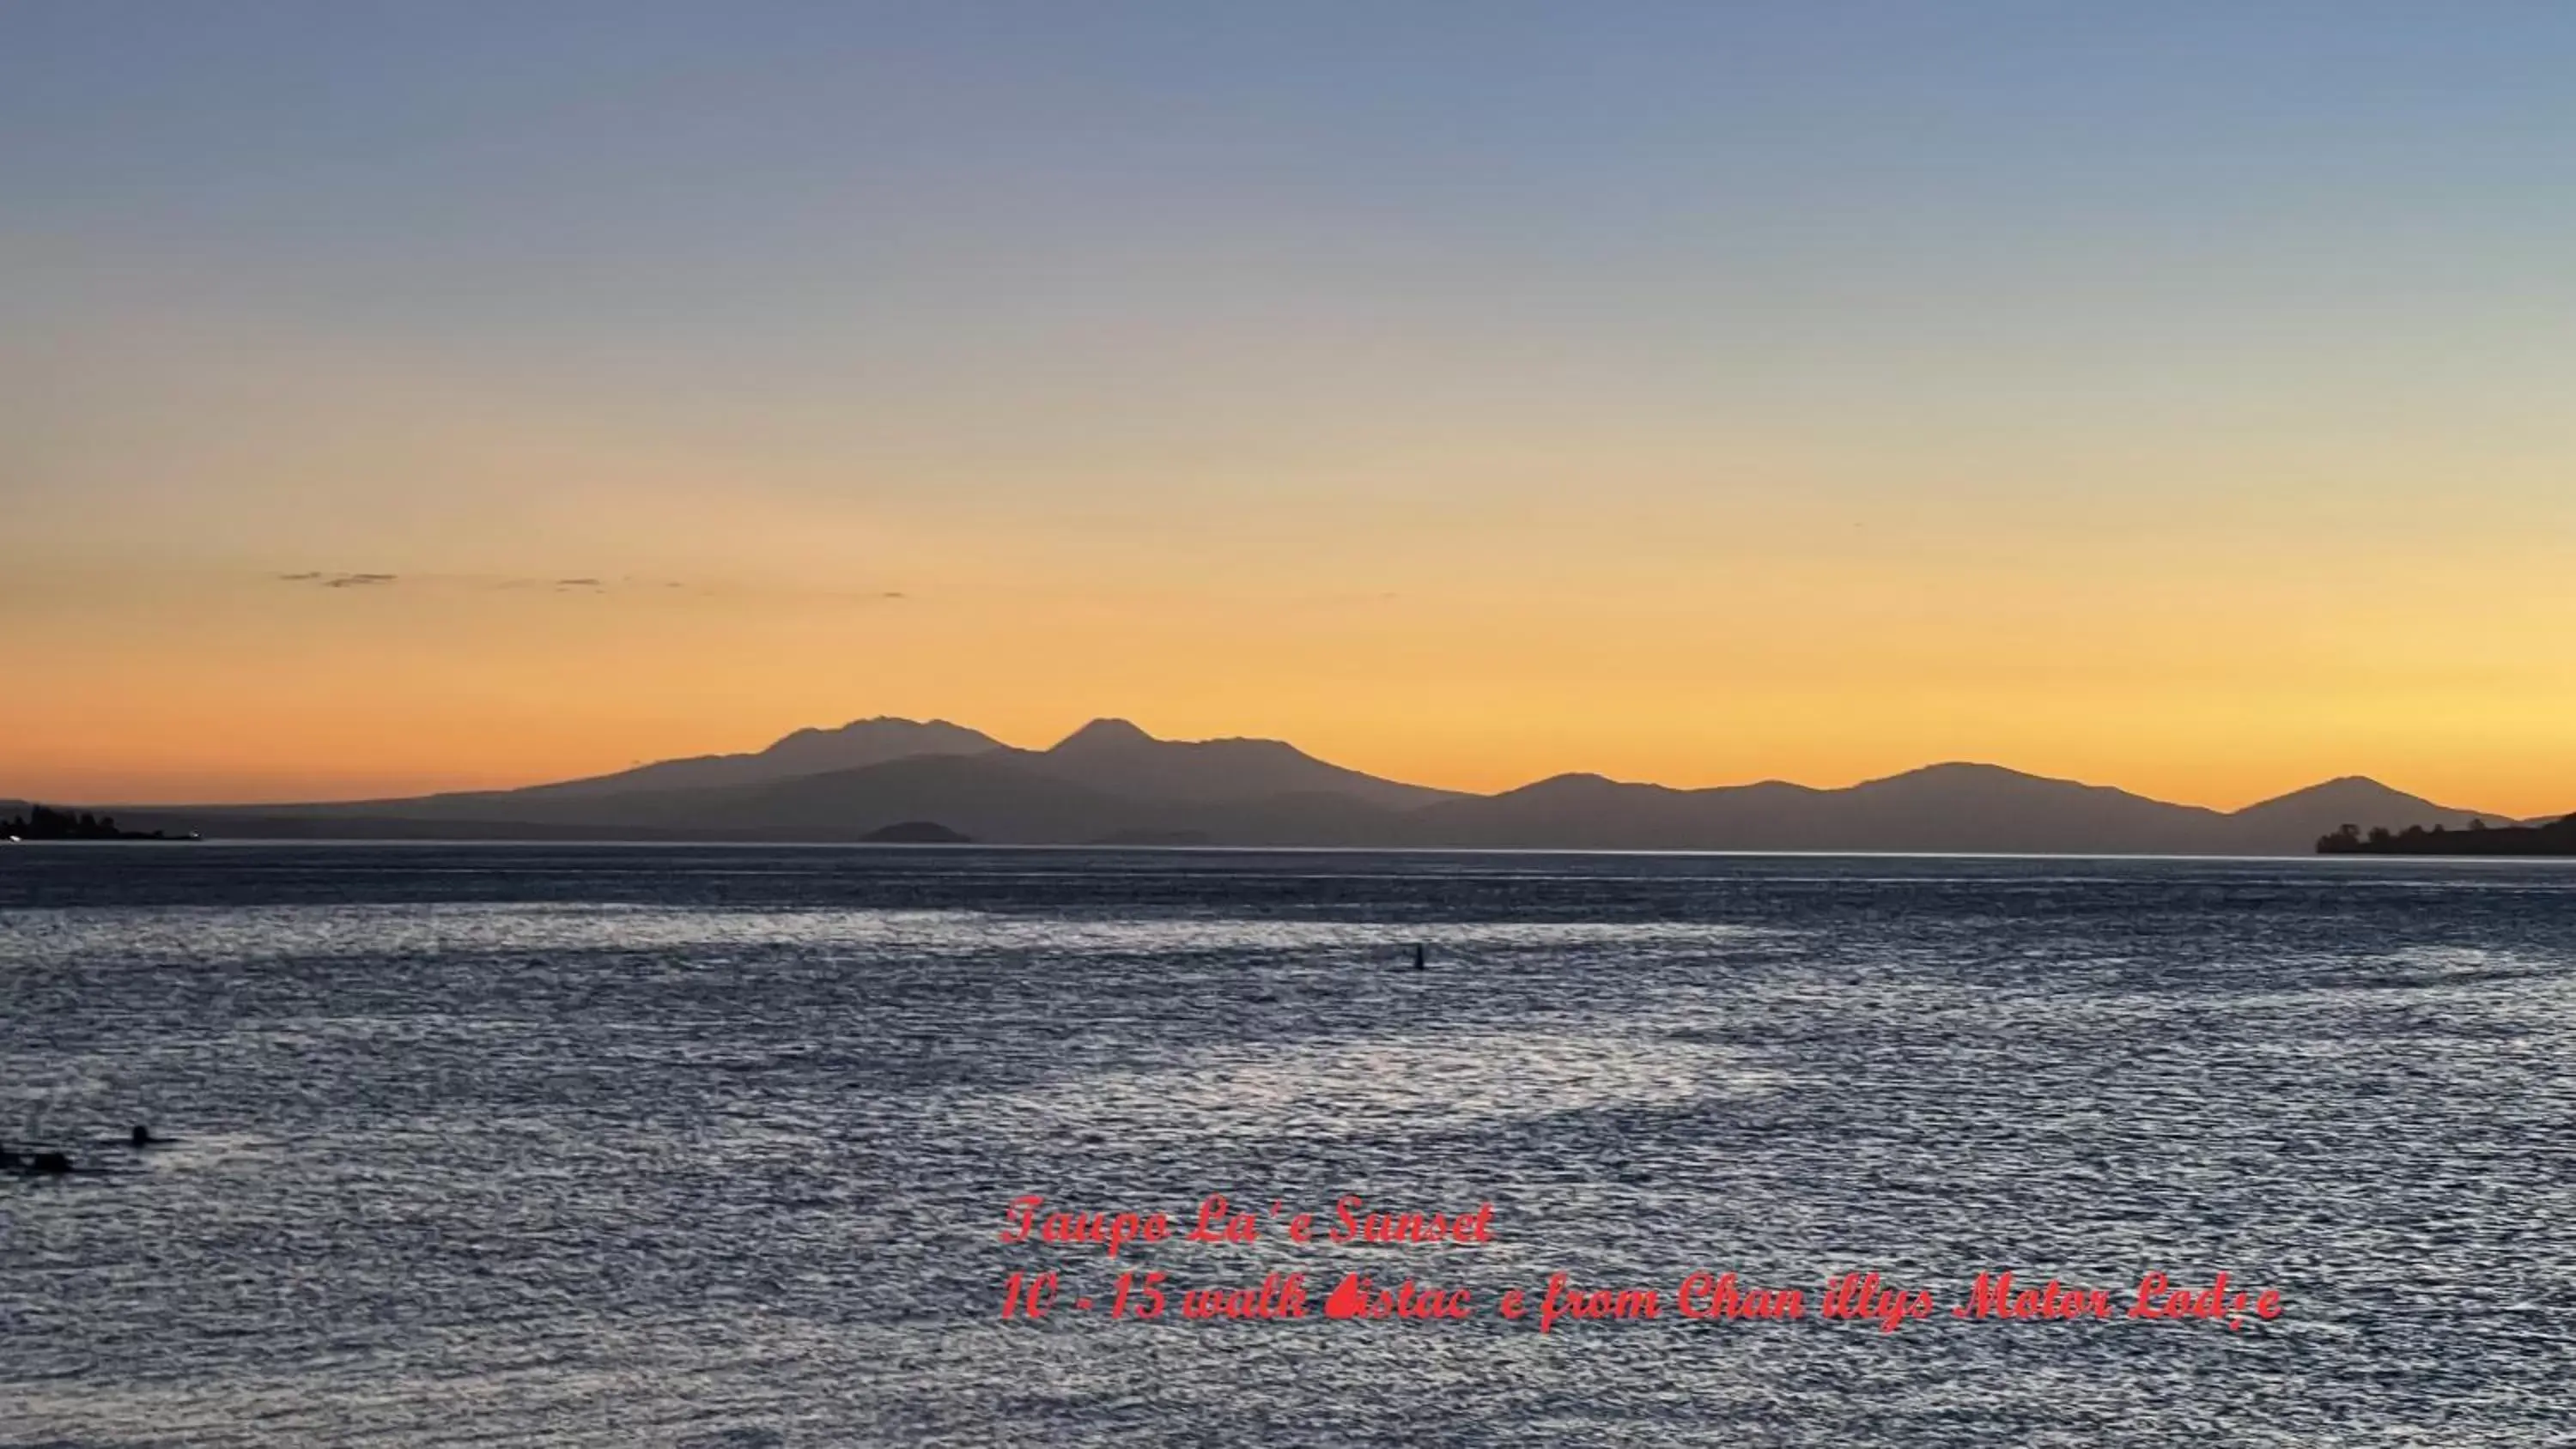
{"points": [[142, 1136], [1417, 955]]}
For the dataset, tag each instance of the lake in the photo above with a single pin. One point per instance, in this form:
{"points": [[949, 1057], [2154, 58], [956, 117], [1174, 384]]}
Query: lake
{"points": [[721, 1145]]}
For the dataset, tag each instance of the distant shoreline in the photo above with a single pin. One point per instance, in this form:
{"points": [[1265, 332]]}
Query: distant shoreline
{"points": [[2323, 860], [43, 824], [2488, 842]]}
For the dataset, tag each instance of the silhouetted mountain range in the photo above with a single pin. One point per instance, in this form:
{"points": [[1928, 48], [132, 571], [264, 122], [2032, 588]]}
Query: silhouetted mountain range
{"points": [[806, 752], [1112, 782], [1116, 757]]}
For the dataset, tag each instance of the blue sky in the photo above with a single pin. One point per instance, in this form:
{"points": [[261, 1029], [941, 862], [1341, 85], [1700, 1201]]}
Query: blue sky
{"points": [[2069, 311]]}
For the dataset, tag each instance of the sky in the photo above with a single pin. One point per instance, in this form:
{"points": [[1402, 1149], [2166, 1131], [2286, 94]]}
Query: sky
{"points": [[425, 396]]}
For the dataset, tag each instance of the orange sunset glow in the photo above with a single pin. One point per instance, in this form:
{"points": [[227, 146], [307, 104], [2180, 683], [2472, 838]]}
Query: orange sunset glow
{"points": [[1639, 452]]}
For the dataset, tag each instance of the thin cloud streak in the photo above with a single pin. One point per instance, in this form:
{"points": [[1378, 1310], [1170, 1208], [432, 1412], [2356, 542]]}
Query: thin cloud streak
{"points": [[338, 580], [728, 589]]}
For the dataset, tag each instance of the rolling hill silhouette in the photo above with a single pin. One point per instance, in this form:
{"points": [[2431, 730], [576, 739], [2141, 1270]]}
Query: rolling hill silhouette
{"points": [[1940, 807], [2353, 800], [1111, 781], [1115, 756], [804, 752]]}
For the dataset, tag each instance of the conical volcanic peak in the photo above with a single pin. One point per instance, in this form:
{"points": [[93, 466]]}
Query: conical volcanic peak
{"points": [[2357, 800], [1103, 734]]}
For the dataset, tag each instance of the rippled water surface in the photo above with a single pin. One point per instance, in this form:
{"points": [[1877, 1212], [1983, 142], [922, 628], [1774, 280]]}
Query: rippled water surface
{"points": [[713, 1146]]}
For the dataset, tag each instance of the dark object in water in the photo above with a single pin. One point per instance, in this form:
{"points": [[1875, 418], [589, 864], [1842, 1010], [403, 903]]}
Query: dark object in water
{"points": [[50, 1162], [142, 1136], [1417, 955], [8, 1158]]}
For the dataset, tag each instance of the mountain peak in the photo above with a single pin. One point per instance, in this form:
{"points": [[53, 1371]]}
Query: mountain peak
{"points": [[813, 750], [2360, 800], [881, 736], [2345, 785], [1570, 780], [1115, 757], [1104, 734], [1953, 770], [1957, 774]]}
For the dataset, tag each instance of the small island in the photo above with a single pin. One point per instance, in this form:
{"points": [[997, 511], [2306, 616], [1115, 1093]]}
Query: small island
{"points": [[40, 823], [2556, 838]]}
